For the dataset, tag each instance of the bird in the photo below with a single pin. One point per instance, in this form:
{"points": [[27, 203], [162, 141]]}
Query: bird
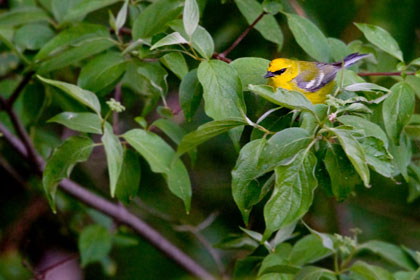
{"points": [[314, 79]]}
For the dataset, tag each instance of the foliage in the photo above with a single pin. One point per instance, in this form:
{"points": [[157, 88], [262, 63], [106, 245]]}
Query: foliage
{"points": [[105, 72]]}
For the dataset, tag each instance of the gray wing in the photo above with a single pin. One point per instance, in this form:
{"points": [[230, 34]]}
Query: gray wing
{"points": [[312, 81]]}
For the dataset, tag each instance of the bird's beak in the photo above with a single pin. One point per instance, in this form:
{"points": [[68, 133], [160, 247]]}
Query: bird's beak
{"points": [[269, 74]]}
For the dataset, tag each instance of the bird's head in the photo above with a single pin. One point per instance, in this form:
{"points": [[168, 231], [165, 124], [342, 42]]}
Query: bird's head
{"points": [[281, 70]]}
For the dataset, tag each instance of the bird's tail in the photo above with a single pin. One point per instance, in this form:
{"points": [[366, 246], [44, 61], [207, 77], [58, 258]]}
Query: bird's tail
{"points": [[352, 59]]}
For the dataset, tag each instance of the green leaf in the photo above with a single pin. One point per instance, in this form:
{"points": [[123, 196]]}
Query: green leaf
{"points": [[404, 275], [70, 37], [237, 242], [267, 26], [171, 39], [114, 156], [251, 70], [293, 192], [300, 254], [339, 50], [22, 16], [369, 128], [309, 37], [274, 263], [191, 16], [33, 36], [175, 62], [170, 128], [402, 155], [95, 243], [370, 272], [285, 98], [83, 96], [59, 166], [102, 71], [315, 273], [83, 122], [155, 18], [342, 174], [354, 152], [84, 7], [365, 87], [201, 39], [223, 96], [257, 158], [397, 110], [247, 268], [377, 156], [74, 54], [389, 252], [122, 16], [206, 132], [381, 38], [129, 179], [190, 94], [283, 234], [161, 158]]}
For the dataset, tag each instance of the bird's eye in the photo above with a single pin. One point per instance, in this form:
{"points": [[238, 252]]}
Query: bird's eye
{"points": [[279, 72]]}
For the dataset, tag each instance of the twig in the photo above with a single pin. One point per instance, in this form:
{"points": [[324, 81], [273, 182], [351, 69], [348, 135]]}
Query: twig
{"points": [[364, 74], [298, 9], [23, 135], [19, 88], [120, 214], [117, 97], [44, 272], [222, 56]]}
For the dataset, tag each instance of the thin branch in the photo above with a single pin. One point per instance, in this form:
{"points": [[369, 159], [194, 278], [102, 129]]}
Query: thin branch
{"points": [[23, 135], [44, 272], [223, 55], [120, 214], [26, 79], [365, 74], [298, 9]]}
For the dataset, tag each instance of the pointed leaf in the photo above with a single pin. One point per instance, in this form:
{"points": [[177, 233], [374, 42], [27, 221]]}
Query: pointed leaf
{"points": [[95, 243], [114, 156], [22, 16], [171, 39], [285, 98], [190, 94], [251, 70], [309, 37], [191, 16], [129, 179], [300, 254], [397, 110], [155, 17], [161, 158], [377, 156], [83, 122], [381, 38], [267, 26], [122, 16], [370, 272], [342, 174], [293, 192], [83, 96], [175, 62], [259, 157], [354, 152], [102, 72], [81, 9], [207, 131], [59, 166]]}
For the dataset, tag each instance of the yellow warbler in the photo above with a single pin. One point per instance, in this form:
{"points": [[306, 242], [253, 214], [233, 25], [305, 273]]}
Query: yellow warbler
{"points": [[314, 79]]}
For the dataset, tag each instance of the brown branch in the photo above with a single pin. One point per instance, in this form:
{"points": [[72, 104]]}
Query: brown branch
{"points": [[298, 9], [365, 74], [26, 79], [222, 56], [119, 213]]}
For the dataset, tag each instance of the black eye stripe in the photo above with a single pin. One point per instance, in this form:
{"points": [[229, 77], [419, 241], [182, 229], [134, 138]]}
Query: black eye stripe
{"points": [[279, 72]]}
